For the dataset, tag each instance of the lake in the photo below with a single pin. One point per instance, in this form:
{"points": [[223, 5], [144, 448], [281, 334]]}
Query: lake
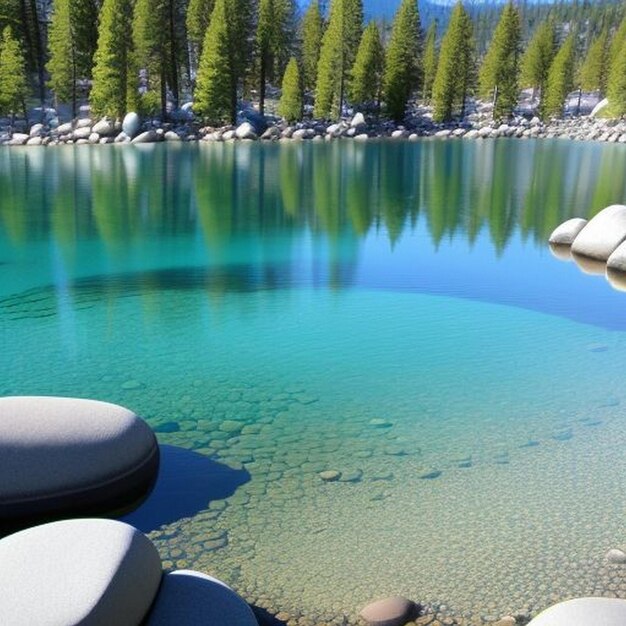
{"points": [[369, 374]]}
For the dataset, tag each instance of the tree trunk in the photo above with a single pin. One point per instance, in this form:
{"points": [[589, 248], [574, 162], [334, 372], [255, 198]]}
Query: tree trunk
{"points": [[262, 83]]}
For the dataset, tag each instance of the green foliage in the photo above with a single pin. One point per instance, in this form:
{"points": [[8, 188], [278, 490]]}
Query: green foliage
{"points": [[538, 57], [62, 63], [367, 73], [290, 105], [456, 71], [197, 22], [616, 90], [430, 61], [150, 40], [619, 37], [560, 80], [338, 52], [215, 72], [403, 59], [500, 67], [594, 70], [13, 79], [312, 31], [114, 88]]}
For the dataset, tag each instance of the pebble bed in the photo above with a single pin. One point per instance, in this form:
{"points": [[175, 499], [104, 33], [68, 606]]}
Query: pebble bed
{"points": [[377, 465]]}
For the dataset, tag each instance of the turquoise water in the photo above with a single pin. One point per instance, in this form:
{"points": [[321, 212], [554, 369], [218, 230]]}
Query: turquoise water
{"points": [[388, 312]]}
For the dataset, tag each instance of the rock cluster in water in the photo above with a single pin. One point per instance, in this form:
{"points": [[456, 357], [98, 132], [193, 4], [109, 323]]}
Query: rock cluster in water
{"points": [[598, 246]]}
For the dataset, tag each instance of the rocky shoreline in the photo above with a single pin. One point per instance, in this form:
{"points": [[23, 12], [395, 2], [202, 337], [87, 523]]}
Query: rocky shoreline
{"points": [[477, 126]]}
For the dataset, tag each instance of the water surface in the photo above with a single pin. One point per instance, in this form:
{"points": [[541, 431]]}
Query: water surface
{"points": [[389, 311]]}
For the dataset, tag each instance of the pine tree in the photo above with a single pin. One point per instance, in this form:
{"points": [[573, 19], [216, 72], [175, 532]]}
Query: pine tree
{"points": [[616, 90], [197, 22], [312, 31], [403, 59], [213, 86], [290, 105], [114, 88], [266, 36], [13, 78], [538, 58], [500, 68], [594, 70], [62, 63], [337, 54], [560, 79], [456, 71], [617, 41], [367, 73], [430, 61]]}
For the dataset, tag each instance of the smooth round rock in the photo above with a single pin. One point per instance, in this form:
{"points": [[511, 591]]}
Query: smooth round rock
{"points": [[601, 236], [616, 556], [131, 124], [91, 572], [617, 260], [62, 455], [395, 611], [565, 233], [189, 598], [584, 612]]}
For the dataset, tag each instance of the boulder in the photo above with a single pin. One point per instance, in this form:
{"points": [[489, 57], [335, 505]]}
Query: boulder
{"points": [[65, 129], [105, 127], [18, 139], [94, 138], [399, 134], [442, 134], [245, 131], [170, 135], [149, 136], [303, 133], [471, 134], [229, 135], [602, 234], [361, 137], [122, 138], [81, 132], [189, 598], [617, 260], [584, 612], [358, 121], [395, 611], [35, 141], [567, 231], [64, 455], [36, 130], [91, 572], [131, 124], [86, 122], [616, 556]]}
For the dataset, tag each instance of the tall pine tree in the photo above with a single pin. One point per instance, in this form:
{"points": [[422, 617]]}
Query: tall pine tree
{"points": [[538, 58], [312, 31], [430, 61], [13, 79], [367, 73], [114, 88], [500, 69], [595, 68], [290, 105], [456, 71], [337, 55], [403, 59], [616, 90], [197, 22], [560, 79]]}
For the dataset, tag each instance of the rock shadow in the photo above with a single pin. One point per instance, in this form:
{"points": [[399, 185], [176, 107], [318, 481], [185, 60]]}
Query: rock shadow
{"points": [[187, 482]]}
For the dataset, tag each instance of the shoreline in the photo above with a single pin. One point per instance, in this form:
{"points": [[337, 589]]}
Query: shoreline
{"points": [[106, 131]]}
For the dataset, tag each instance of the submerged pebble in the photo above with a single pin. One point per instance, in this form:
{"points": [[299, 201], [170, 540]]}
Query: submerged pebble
{"points": [[330, 476]]}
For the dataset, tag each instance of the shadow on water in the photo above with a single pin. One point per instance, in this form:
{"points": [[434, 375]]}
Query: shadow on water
{"points": [[187, 483]]}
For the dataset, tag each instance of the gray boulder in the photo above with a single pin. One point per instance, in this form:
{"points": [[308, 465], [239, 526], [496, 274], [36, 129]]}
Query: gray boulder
{"points": [[91, 572], [36, 130], [149, 136], [35, 141], [122, 138], [65, 129], [131, 124], [395, 611], [86, 122], [601, 236], [60, 455], [105, 127], [245, 131], [94, 138], [170, 135], [584, 612], [565, 233], [18, 139], [358, 121], [81, 132], [617, 260], [189, 598]]}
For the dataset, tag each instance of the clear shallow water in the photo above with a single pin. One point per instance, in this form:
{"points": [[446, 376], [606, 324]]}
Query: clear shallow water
{"points": [[388, 311]]}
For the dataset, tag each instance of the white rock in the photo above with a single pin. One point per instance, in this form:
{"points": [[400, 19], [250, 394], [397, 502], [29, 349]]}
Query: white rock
{"points": [[83, 571], [94, 138], [617, 260], [105, 140], [65, 129], [443, 133], [34, 141], [18, 139], [229, 135], [105, 127], [303, 133], [189, 598], [84, 123], [245, 131], [333, 129], [535, 121], [616, 556], [414, 137], [471, 134], [131, 124], [59, 454], [399, 134], [82, 132], [567, 231], [395, 611], [599, 107], [358, 120], [170, 135], [148, 136], [361, 137], [458, 132], [485, 132], [122, 138], [36, 130], [602, 234], [584, 612]]}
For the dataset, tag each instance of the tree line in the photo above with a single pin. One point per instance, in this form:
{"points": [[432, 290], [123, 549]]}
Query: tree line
{"points": [[143, 54]]}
